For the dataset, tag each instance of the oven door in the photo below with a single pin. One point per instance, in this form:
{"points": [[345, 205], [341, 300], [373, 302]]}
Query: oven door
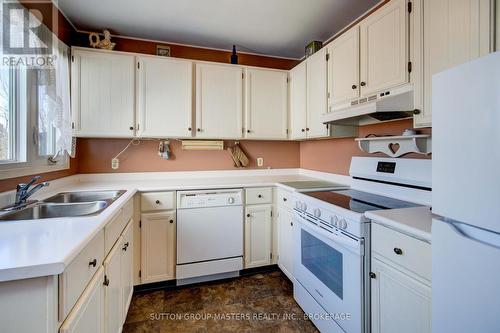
{"points": [[330, 267]]}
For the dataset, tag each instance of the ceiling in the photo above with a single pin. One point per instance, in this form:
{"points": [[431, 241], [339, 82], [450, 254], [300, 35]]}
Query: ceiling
{"points": [[272, 27]]}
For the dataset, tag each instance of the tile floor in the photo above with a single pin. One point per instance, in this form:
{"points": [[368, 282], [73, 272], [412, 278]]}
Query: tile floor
{"points": [[257, 303]]}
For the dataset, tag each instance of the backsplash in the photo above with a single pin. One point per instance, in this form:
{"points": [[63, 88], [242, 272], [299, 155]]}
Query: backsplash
{"points": [[94, 156], [334, 155]]}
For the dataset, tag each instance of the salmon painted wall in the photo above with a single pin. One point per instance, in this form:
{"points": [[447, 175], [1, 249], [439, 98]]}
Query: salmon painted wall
{"points": [[94, 155], [334, 155]]}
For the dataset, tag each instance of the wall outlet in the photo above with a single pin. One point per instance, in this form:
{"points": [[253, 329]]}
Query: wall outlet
{"points": [[260, 161], [115, 163]]}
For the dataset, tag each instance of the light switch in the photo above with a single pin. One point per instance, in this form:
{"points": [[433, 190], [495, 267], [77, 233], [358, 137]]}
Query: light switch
{"points": [[260, 161]]}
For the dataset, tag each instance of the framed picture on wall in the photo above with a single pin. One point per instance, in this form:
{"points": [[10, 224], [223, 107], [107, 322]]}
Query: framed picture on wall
{"points": [[163, 50]]}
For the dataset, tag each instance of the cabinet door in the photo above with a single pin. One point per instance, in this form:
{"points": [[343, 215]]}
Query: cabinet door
{"points": [[298, 101], [455, 32], [384, 48], [316, 94], [400, 303], [164, 97], [113, 292], [219, 101], [127, 261], [158, 247], [103, 91], [266, 104], [258, 228], [285, 242], [343, 69], [88, 313]]}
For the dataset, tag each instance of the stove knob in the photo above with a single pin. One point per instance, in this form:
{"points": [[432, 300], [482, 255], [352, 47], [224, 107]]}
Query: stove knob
{"points": [[343, 224], [230, 200], [304, 206], [317, 212], [334, 219]]}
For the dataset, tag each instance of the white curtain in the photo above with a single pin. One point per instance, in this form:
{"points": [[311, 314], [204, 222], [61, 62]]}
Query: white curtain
{"points": [[53, 91], [54, 110]]}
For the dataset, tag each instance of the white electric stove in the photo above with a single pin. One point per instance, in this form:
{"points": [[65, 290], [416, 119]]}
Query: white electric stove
{"points": [[332, 237]]}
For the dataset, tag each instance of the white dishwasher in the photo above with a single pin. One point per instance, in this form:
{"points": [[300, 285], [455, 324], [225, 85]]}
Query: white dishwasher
{"points": [[209, 235]]}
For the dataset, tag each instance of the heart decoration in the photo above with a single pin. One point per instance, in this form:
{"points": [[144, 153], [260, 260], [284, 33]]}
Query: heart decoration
{"points": [[394, 147]]}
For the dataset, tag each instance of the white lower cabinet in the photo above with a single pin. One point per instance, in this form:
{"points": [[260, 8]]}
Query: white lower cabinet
{"points": [[285, 241], [127, 265], [158, 244], [400, 282], [400, 303], [88, 314], [258, 232], [113, 293]]}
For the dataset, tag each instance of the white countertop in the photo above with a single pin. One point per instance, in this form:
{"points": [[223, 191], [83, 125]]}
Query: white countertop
{"points": [[415, 221], [44, 247]]}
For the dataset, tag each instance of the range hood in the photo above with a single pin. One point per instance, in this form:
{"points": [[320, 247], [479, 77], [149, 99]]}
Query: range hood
{"points": [[386, 106]]}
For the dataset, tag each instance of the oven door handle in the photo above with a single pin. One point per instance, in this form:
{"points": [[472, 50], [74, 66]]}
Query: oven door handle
{"points": [[345, 242]]}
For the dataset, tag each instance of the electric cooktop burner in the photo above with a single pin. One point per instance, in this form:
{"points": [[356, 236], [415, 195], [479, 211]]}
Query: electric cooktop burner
{"points": [[358, 201]]}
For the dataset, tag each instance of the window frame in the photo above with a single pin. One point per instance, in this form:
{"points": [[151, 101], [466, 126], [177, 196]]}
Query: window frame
{"points": [[26, 97]]}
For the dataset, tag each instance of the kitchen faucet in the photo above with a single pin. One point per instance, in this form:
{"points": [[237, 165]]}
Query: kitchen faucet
{"points": [[24, 191]]}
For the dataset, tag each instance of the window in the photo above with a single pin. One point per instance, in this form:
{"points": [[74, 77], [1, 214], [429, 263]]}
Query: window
{"points": [[35, 118], [13, 116], [28, 131]]}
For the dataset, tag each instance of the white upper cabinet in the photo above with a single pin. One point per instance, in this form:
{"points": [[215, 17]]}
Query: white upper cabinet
{"points": [[316, 94], [343, 68], [219, 101], [164, 97], [103, 94], [266, 104], [455, 32], [298, 101], [384, 48]]}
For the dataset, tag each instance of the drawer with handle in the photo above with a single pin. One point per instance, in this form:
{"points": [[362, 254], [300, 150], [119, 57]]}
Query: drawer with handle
{"points": [[409, 252], [79, 272], [157, 201], [285, 199], [258, 195]]}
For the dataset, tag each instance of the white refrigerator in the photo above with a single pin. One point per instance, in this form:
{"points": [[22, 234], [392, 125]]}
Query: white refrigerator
{"points": [[466, 198]]}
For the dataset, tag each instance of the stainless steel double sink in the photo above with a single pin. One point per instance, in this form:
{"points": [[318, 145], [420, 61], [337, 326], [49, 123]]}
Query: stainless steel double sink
{"points": [[65, 204]]}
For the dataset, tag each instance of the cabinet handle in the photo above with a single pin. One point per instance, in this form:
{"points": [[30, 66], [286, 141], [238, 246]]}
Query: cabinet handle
{"points": [[131, 128], [398, 251], [93, 263], [373, 275], [198, 130], [125, 246], [171, 221], [189, 129], [291, 224], [307, 129], [363, 84], [354, 86], [106, 281], [157, 202], [416, 111], [259, 196], [248, 215], [285, 199], [303, 130]]}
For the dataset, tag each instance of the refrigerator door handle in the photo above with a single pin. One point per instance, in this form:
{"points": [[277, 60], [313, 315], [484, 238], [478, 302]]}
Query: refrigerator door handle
{"points": [[475, 234]]}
